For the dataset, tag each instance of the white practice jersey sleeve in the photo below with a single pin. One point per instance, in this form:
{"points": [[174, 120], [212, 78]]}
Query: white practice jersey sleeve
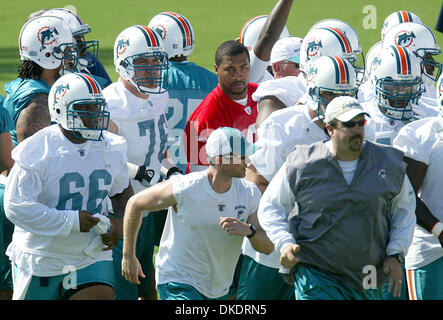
{"points": [[275, 205], [259, 69]]}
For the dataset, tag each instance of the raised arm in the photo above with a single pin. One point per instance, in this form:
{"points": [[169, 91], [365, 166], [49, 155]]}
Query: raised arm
{"points": [[272, 29]]}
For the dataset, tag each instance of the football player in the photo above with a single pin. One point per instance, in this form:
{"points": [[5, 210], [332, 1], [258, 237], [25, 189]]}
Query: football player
{"points": [[137, 102], [421, 142], [62, 241]]}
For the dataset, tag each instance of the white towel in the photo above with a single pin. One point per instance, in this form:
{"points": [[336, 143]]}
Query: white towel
{"points": [[95, 247]]}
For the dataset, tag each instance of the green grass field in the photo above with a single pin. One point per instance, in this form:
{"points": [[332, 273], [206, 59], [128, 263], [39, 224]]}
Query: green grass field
{"points": [[214, 21]]}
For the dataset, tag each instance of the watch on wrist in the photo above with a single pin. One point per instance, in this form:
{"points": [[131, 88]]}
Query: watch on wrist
{"points": [[398, 256], [253, 230]]}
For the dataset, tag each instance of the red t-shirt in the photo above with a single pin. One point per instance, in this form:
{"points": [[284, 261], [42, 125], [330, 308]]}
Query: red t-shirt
{"points": [[215, 111]]}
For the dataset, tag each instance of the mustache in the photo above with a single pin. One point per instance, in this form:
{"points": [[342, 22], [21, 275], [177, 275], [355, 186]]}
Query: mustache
{"points": [[356, 136]]}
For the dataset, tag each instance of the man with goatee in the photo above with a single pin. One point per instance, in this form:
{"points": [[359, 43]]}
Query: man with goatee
{"points": [[341, 211]]}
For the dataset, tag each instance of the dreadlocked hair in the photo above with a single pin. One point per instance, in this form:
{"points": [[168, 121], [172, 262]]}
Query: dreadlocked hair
{"points": [[29, 70]]}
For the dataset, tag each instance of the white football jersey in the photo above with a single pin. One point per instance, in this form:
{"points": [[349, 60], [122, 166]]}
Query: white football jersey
{"points": [[382, 129], [278, 135], [194, 249], [287, 89], [142, 123], [422, 140], [52, 180], [365, 92]]}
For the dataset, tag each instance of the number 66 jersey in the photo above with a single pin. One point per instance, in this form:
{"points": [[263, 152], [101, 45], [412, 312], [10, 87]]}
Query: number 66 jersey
{"points": [[52, 180]]}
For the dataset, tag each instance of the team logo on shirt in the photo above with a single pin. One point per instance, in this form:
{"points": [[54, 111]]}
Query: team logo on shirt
{"points": [[46, 36], [240, 210], [404, 38], [248, 110], [221, 207]]}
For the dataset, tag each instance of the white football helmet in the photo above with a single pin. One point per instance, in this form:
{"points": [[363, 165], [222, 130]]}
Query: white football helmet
{"points": [[176, 31], [332, 76], [419, 39], [132, 48], [79, 28], [251, 30], [396, 18], [397, 82], [353, 38], [47, 41], [325, 42], [69, 99], [373, 58]]}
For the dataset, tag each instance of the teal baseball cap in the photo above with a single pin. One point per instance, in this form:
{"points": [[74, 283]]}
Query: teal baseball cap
{"points": [[227, 140]]}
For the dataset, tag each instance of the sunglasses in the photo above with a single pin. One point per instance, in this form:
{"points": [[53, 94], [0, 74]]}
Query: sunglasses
{"points": [[352, 124]]}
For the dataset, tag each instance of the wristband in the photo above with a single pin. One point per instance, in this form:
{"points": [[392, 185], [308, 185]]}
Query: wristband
{"points": [[253, 230], [171, 171], [437, 229]]}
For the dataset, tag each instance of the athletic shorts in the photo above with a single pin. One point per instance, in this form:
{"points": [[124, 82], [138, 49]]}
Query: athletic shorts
{"points": [[64, 286], [182, 291], [259, 282], [426, 283], [313, 284]]}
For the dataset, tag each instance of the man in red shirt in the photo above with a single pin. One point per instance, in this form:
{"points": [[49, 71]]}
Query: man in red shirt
{"points": [[230, 104]]}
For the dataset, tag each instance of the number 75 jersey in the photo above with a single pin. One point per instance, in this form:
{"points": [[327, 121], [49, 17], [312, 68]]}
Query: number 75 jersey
{"points": [[142, 122]]}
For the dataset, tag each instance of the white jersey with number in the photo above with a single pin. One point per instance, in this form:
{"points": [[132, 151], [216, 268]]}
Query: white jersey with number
{"points": [[422, 140], [277, 137], [52, 180], [142, 122], [194, 249]]}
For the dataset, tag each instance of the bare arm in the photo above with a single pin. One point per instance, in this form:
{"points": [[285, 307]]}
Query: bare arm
{"points": [[34, 117], [272, 29], [416, 172], [253, 176], [152, 199], [266, 106], [6, 147]]}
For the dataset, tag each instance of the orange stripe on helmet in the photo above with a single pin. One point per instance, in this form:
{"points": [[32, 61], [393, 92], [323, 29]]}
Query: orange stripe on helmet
{"points": [[404, 15], [344, 39], [185, 26], [94, 86], [151, 35], [246, 25], [341, 66], [403, 61]]}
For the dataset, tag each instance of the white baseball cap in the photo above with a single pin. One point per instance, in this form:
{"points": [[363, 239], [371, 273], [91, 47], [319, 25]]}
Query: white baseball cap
{"points": [[343, 109], [226, 140], [286, 49]]}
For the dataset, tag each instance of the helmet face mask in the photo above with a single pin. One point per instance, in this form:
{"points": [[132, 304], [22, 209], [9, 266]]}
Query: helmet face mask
{"points": [[87, 118], [395, 98], [140, 59], [76, 103], [397, 82]]}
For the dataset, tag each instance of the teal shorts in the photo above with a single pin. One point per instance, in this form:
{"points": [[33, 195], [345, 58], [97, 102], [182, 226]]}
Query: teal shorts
{"points": [[64, 286], [259, 282], [313, 284], [124, 289], [6, 231], [426, 283], [182, 291]]}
